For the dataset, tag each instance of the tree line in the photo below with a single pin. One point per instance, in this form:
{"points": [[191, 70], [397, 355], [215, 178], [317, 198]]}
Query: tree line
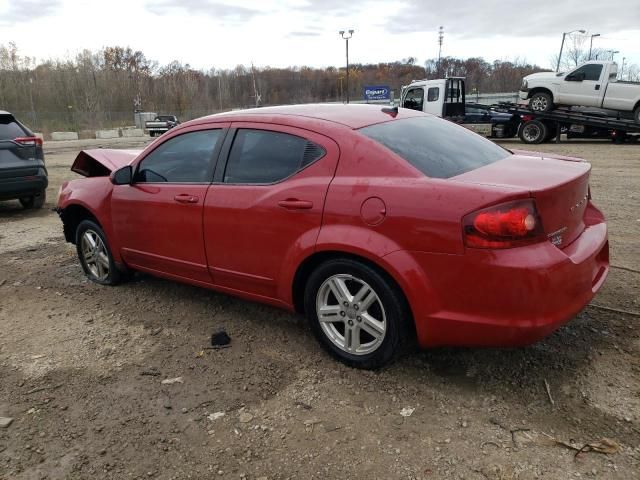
{"points": [[98, 89]]}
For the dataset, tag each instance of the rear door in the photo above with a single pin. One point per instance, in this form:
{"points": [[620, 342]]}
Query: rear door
{"points": [[158, 219], [266, 203]]}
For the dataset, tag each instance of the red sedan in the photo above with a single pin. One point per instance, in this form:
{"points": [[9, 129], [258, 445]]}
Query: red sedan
{"points": [[384, 227]]}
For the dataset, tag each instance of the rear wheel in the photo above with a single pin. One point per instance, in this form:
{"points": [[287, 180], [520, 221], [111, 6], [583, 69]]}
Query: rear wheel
{"points": [[95, 255], [551, 134], [533, 131], [541, 102], [357, 314], [35, 201]]}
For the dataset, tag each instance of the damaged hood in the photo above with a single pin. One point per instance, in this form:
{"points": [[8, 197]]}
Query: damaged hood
{"points": [[101, 162]]}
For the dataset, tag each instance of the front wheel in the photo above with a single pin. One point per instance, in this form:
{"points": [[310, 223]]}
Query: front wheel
{"points": [[95, 255], [541, 102], [356, 313]]}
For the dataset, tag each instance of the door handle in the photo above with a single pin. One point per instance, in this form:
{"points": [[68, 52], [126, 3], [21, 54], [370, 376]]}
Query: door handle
{"points": [[295, 204], [597, 87], [186, 198]]}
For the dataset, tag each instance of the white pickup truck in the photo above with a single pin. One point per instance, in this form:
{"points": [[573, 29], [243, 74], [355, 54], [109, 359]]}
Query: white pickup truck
{"points": [[592, 84]]}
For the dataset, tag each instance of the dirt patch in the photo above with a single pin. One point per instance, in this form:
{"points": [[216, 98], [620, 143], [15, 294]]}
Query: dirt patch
{"points": [[82, 369]]}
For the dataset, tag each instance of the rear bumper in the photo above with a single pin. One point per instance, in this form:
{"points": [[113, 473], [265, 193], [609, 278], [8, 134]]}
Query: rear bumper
{"points": [[507, 297], [17, 187]]}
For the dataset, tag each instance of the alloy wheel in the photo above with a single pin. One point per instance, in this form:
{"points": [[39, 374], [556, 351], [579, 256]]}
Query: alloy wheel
{"points": [[351, 314], [539, 104], [95, 255]]}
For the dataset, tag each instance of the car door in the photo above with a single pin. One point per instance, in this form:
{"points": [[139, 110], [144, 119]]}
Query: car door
{"points": [[158, 218], [582, 87], [265, 204]]}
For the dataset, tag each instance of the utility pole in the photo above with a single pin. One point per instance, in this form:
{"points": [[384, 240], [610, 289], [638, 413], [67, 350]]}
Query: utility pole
{"points": [[622, 67], [346, 36], [440, 39], [257, 95], [562, 45], [591, 43]]}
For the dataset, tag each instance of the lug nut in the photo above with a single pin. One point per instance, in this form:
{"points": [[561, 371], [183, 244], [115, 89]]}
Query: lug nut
{"points": [[346, 304], [342, 314], [359, 318], [351, 323], [356, 307]]}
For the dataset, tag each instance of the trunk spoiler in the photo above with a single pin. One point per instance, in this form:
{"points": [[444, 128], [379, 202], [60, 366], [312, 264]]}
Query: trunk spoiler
{"points": [[101, 162]]}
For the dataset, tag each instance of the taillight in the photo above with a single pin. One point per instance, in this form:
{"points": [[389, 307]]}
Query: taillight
{"points": [[29, 141], [507, 225]]}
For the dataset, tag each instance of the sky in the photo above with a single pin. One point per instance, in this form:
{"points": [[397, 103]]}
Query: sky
{"points": [[224, 33]]}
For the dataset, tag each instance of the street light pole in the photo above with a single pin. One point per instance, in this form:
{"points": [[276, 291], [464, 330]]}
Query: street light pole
{"points": [[591, 43], [622, 67], [562, 45], [346, 36]]}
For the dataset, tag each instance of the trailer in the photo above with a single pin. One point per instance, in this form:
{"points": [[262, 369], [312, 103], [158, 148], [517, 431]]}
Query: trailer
{"points": [[539, 127]]}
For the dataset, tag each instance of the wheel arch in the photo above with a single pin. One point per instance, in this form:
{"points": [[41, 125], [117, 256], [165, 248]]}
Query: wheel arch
{"points": [[535, 90], [307, 266], [72, 215]]}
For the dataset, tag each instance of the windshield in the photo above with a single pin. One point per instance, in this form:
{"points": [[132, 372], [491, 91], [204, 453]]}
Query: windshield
{"points": [[436, 147]]}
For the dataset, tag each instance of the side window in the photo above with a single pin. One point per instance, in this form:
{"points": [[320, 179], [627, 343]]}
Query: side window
{"points": [[414, 99], [591, 72], [433, 94], [187, 158], [263, 156]]}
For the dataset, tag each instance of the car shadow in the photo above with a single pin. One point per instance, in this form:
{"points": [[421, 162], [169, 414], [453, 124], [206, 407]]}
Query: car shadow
{"points": [[13, 210]]}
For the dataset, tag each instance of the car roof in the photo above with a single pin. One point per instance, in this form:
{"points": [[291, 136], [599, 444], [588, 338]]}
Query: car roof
{"points": [[351, 115], [2, 112]]}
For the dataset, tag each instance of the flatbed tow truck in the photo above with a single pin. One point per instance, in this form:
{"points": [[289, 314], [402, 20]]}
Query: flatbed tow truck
{"points": [[446, 98]]}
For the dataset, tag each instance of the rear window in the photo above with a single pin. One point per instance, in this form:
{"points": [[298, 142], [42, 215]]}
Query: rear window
{"points": [[9, 128], [436, 147]]}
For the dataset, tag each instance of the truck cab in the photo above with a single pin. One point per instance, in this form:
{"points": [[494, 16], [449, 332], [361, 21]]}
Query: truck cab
{"points": [[444, 97]]}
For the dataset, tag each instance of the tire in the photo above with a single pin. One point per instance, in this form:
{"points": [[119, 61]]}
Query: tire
{"points": [[541, 102], [96, 267], [551, 134], [636, 114], [387, 315], [35, 201], [533, 132]]}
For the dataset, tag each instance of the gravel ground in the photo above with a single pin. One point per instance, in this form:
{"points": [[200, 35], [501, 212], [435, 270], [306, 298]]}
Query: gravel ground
{"points": [[81, 370]]}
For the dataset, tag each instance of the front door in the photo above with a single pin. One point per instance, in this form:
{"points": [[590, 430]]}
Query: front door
{"points": [[158, 219], [266, 203], [582, 87]]}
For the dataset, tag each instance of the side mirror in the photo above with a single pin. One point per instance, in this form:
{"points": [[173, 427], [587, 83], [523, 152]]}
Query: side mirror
{"points": [[122, 176]]}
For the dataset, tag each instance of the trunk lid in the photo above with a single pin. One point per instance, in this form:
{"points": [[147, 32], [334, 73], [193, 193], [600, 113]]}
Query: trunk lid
{"points": [[559, 186], [101, 162]]}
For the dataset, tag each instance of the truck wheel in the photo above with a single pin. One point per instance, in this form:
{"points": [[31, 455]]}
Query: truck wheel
{"points": [[534, 131], [541, 102], [551, 134]]}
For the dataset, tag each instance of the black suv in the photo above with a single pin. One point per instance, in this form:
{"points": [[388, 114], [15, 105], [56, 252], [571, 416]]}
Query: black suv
{"points": [[23, 175]]}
